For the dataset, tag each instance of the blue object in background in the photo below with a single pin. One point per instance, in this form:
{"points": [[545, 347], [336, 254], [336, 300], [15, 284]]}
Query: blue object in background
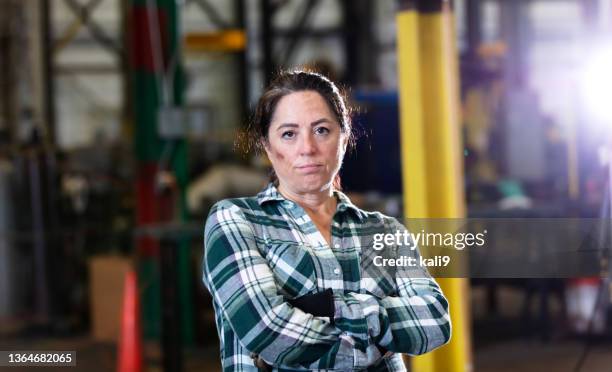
{"points": [[375, 163]]}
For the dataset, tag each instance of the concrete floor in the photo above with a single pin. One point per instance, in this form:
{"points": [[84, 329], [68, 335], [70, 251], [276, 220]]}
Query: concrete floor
{"points": [[535, 356], [93, 356], [504, 342], [515, 356]]}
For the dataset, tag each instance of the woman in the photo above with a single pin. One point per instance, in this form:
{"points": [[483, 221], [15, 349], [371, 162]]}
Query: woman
{"points": [[290, 270]]}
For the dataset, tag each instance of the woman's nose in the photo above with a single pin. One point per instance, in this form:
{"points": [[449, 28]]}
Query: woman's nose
{"points": [[307, 145]]}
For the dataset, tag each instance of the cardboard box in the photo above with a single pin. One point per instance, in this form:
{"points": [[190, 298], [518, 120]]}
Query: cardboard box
{"points": [[107, 276]]}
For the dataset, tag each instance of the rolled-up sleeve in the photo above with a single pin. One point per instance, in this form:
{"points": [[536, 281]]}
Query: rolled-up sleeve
{"points": [[244, 290]]}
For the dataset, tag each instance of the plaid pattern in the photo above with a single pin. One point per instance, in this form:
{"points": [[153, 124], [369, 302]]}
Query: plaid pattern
{"points": [[261, 251]]}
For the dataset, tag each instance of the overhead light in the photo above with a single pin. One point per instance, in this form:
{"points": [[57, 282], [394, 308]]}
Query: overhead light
{"points": [[597, 85]]}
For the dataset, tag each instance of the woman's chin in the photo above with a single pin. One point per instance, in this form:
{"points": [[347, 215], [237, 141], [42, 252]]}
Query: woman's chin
{"points": [[313, 183]]}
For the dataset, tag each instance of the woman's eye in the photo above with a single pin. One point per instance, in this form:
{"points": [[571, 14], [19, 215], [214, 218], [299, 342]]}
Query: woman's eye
{"points": [[288, 134], [321, 130]]}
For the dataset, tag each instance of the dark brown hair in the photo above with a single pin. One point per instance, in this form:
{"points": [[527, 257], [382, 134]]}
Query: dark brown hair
{"points": [[285, 83]]}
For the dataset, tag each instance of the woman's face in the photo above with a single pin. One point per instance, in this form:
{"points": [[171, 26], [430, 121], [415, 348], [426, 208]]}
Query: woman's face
{"points": [[305, 144]]}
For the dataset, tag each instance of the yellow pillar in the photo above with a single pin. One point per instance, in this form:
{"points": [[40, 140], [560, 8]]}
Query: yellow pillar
{"points": [[432, 152]]}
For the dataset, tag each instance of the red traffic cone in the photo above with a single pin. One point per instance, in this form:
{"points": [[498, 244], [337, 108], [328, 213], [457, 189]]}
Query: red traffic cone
{"points": [[129, 351]]}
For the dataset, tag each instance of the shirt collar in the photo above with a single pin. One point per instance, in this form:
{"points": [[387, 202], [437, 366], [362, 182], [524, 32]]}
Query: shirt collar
{"points": [[271, 193]]}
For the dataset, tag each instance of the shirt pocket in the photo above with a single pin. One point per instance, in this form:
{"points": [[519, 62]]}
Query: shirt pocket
{"points": [[293, 268]]}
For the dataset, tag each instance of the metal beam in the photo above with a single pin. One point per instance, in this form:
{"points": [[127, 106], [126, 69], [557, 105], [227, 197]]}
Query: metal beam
{"points": [[351, 42], [48, 65], [515, 28], [212, 14], [243, 64], [73, 29], [266, 10], [83, 13], [472, 20], [359, 46], [318, 33], [300, 25], [88, 68], [7, 78]]}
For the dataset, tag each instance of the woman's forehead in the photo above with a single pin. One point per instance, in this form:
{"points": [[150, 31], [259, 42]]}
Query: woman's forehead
{"points": [[300, 107]]}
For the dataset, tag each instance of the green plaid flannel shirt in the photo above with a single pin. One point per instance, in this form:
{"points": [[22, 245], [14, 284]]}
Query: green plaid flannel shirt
{"points": [[261, 251]]}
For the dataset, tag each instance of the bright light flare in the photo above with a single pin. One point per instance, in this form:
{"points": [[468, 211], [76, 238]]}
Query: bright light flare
{"points": [[597, 85]]}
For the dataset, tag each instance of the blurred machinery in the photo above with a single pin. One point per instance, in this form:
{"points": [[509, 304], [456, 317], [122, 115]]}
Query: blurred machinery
{"points": [[377, 125]]}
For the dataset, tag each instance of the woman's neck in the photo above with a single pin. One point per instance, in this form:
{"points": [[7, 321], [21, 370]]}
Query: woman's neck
{"points": [[322, 202]]}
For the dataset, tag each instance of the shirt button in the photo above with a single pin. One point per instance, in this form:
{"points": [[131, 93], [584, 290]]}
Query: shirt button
{"points": [[336, 245], [336, 271]]}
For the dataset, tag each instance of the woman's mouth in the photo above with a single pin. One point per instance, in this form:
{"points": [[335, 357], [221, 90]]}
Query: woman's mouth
{"points": [[309, 168]]}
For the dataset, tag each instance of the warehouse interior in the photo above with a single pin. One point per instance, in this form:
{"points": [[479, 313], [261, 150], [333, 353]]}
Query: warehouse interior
{"points": [[120, 126]]}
